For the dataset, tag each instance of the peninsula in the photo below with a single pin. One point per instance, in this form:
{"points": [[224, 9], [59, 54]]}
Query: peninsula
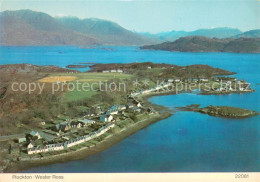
{"points": [[204, 44]]}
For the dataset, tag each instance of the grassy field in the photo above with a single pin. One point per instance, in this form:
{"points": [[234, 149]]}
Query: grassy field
{"points": [[54, 79], [93, 77], [88, 78]]}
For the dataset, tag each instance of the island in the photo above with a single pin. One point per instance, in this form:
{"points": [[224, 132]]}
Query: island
{"points": [[204, 44], [47, 121], [221, 111]]}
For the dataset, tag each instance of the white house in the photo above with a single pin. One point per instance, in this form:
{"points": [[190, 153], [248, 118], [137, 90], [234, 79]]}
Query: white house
{"points": [[106, 118], [35, 134], [230, 88], [204, 79], [170, 80], [120, 71], [113, 71], [105, 71], [30, 146], [21, 140], [86, 122]]}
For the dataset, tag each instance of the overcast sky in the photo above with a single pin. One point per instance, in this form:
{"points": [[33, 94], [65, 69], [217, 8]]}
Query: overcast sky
{"points": [[153, 15]]}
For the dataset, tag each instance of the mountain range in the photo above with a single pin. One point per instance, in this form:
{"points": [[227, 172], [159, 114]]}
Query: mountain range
{"points": [[27, 27], [224, 32]]}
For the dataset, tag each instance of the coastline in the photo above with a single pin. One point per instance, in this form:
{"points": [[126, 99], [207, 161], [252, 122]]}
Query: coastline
{"points": [[84, 152]]}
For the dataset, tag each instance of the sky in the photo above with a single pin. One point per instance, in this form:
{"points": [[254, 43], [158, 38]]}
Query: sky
{"points": [[152, 15]]}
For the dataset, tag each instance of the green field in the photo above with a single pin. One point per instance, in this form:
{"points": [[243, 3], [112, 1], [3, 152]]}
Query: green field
{"points": [[88, 79]]}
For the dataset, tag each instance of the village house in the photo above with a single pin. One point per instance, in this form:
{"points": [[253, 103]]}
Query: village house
{"points": [[121, 107], [241, 89], [129, 105], [137, 103], [86, 122], [120, 71], [170, 80], [21, 140], [62, 127], [105, 71], [106, 118], [75, 124], [112, 110], [113, 71], [204, 79], [230, 88], [30, 145], [115, 109], [135, 109], [177, 80], [221, 89], [34, 134], [195, 80]]}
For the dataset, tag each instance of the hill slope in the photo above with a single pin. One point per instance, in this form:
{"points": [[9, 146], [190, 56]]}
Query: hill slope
{"points": [[203, 44], [223, 32], [106, 32], [249, 34], [26, 27]]}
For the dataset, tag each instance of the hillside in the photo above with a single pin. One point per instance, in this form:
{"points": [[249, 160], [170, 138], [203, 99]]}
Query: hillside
{"points": [[106, 32], [203, 44], [249, 34], [26, 27], [223, 32]]}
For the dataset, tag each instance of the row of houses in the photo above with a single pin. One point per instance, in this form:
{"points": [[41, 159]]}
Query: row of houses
{"points": [[177, 80], [70, 143], [65, 126], [113, 71], [119, 109], [157, 88], [238, 86]]}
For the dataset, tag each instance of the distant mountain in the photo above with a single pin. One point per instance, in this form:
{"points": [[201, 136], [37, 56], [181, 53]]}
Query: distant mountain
{"points": [[224, 32], [204, 44], [106, 32], [26, 27], [249, 34]]}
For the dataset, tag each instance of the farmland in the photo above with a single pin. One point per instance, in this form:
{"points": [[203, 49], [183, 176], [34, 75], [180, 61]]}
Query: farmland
{"points": [[87, 78], [53, 79]]}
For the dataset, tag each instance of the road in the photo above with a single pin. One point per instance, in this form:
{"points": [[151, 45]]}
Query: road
{"points": [[10, 137]]}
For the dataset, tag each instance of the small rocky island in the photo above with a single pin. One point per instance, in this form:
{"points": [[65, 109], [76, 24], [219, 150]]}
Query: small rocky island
{"points": [[221, 111]]}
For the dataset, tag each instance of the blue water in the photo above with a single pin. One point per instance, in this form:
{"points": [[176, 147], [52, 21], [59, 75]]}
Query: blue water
{"points": [[185, 142]]}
